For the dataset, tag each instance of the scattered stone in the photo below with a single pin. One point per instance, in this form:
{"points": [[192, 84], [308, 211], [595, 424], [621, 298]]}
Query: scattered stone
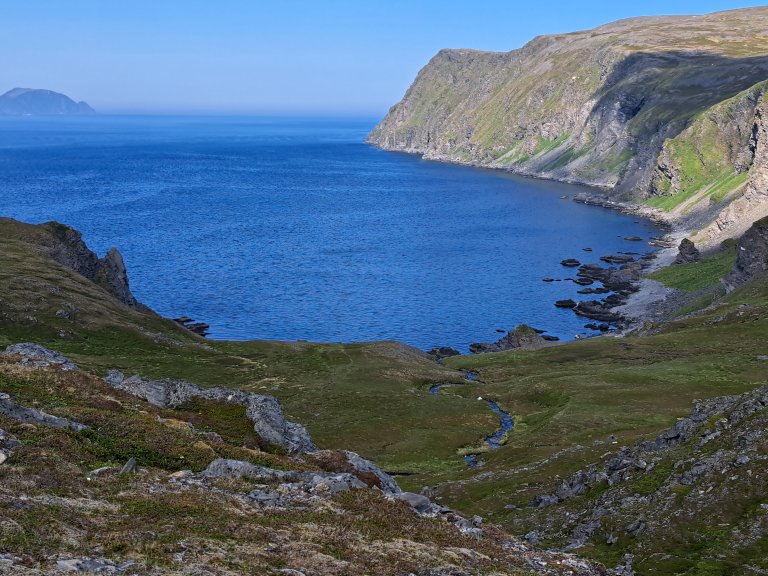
{"points": [[633, 238], [687, 252], [636, 526], [129, 467], [587, 249], [548, 279], [534, 537], [550, 338], [583, 281], [570, 262], [741, 461], [565, 304]]}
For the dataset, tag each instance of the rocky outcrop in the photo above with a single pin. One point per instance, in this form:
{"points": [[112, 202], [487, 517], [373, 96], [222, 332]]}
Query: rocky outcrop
{"points": [[113, 276], [687, 252], [65, 245], [264, 411], [365, 470], [751, 255], [15, 411], [523, 337], [38, 356]]}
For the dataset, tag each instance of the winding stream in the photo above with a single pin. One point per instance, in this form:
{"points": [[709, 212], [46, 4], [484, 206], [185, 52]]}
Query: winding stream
{"points": [[494, 440]]}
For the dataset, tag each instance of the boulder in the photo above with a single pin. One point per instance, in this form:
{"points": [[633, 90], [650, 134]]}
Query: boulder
{"points": [[419, 503], [570, 262], [523, 337], [687, 252], [565, 304]]}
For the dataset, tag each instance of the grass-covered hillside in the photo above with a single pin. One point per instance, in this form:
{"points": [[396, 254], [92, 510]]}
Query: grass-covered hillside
{"points": [[664, 110], [572, 404], [100, 475]]}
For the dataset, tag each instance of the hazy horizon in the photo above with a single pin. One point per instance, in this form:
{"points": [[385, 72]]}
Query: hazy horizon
{"points": [[292, 58]]}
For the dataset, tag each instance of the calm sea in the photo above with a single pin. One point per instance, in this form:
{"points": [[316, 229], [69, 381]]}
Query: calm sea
{"points": [[290, 229]]}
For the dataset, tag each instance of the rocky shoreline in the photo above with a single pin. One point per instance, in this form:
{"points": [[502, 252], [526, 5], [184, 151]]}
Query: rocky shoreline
{"points": [[630, 298]]}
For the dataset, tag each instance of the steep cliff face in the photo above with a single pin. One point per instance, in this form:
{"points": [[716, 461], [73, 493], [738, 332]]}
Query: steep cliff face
{"points": [[655, 109]]}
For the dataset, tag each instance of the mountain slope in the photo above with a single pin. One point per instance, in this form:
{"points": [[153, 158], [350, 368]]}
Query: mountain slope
{"points": [[38, 102], [608, 107]]}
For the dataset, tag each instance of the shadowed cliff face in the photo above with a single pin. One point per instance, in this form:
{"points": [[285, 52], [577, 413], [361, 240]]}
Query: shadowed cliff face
{"points": [[597, 107], [651, 97]]}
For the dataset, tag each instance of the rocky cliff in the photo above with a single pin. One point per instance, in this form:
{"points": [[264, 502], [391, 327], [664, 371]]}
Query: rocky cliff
{"points": [[667, 111], [65, 245], [36, 102]]}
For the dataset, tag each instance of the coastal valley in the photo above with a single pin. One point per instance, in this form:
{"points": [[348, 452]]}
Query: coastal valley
{"points": [[131, 443]]}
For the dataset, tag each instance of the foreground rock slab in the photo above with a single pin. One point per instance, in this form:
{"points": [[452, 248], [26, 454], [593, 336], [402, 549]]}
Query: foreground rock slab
{"points": [[264, 411]]}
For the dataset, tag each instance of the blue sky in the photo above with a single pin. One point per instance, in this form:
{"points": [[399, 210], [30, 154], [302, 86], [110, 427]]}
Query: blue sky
{"points": [[271, 56]]}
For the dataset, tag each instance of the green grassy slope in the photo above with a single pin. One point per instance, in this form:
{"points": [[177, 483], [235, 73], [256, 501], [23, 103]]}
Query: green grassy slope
{"points": [[373, 398], [346, 394]]}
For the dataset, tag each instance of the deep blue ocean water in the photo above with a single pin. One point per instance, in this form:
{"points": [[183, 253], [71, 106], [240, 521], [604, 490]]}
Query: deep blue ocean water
{"points": [[295, 229]]}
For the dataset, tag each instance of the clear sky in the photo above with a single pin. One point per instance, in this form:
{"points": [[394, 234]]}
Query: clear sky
{"points": [[271, 56]]}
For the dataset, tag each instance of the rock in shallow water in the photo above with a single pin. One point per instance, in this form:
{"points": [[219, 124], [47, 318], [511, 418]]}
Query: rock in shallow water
{"points": [[523, 337]]}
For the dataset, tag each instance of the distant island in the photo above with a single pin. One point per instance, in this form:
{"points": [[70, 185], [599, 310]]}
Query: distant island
{"points": [[39, 102]]}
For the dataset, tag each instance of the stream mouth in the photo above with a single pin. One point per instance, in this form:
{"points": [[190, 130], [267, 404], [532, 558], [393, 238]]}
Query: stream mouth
{"points": [[506, 423]]}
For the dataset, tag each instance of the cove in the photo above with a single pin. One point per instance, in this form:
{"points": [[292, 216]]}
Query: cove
{"points": [[288, 229]]}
